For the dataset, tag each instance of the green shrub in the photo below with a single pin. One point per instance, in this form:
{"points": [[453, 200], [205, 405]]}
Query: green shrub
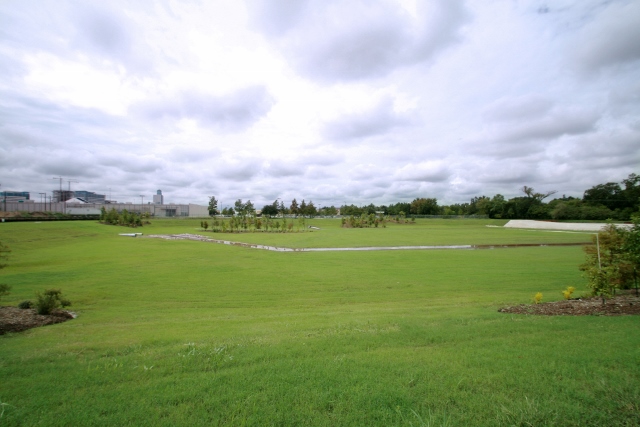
{"points": [[567, 292], [50, 300], [537, 298], [25, 305]]}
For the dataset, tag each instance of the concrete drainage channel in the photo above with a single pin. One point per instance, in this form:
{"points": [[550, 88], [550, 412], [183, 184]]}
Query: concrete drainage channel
{"points": [[199, 238]]}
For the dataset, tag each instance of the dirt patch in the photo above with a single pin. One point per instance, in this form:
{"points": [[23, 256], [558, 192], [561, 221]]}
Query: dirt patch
{"points": [[624, 303], [13, 319]]}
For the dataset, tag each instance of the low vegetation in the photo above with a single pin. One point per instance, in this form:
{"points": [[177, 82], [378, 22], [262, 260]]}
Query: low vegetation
{"points": [[613, 261], [126, 218], [50, 300]]}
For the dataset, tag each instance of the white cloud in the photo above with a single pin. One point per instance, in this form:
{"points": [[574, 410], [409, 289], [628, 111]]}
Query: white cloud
{"points": [[358, 102], [229, 112], [378, 120], [611, 38], [332, 40], [423, 172]]}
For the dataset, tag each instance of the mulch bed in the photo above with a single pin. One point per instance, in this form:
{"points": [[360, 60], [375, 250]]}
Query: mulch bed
{"points": [[13, 319], [624, 303]]}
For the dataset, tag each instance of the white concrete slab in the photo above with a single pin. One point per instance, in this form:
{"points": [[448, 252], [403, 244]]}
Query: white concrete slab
{"points": [[560, 226]]}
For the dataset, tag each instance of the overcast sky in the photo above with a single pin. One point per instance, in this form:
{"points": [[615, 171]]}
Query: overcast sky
{"points": [[353, 101]]}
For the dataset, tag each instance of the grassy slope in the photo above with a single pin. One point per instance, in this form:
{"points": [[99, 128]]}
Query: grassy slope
{"points": [[192, 333]]}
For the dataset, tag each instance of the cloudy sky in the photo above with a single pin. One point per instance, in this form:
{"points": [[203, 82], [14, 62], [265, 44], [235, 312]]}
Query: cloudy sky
{"points": [[353, 101]]}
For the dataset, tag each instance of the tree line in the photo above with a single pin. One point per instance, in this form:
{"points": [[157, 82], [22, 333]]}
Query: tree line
{"points": [[617, 201]]}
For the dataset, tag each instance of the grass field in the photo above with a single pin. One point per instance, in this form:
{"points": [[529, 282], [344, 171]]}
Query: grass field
{"points": [[189, 333]]}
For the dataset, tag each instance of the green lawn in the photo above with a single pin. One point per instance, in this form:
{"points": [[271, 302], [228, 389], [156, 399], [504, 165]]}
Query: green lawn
{"points": [[423, 232], [190, 333]]}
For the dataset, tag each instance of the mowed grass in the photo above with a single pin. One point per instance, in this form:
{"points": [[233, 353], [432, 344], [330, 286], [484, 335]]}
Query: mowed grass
{"points": [[190, 333], [421, 233]]}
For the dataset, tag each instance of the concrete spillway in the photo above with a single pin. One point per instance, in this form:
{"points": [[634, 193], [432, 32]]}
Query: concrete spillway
{"points": [[199, 238]]}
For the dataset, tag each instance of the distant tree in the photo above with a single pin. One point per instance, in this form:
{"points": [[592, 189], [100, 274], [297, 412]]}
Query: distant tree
{"points": [[530, 192], [213, 206], [303, 208], [283, 210], [480, 206], [276, 207], [293, 209], [399, 207], [351, 210], [609, 195], [311, 209], [269, 210], [528, 207], [248, 208], [331, 210], [239, 207], [424, 206], [632, 188], [497, 206]]}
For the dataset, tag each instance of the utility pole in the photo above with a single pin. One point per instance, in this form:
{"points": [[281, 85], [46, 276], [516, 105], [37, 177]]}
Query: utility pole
{"points": [[59, 178], [141, 199], [45, 200]]}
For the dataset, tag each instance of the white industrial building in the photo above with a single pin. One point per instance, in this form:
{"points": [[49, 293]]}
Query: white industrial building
{"points": [[79, 208]]}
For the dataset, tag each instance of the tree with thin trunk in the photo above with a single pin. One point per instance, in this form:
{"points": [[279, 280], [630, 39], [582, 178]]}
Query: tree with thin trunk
{"points": [[293, 209]]}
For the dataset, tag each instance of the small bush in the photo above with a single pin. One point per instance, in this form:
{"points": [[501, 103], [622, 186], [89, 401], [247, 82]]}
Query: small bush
{"points": [[50, 300], [25, 305], [567, 292], [537, 298]]}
